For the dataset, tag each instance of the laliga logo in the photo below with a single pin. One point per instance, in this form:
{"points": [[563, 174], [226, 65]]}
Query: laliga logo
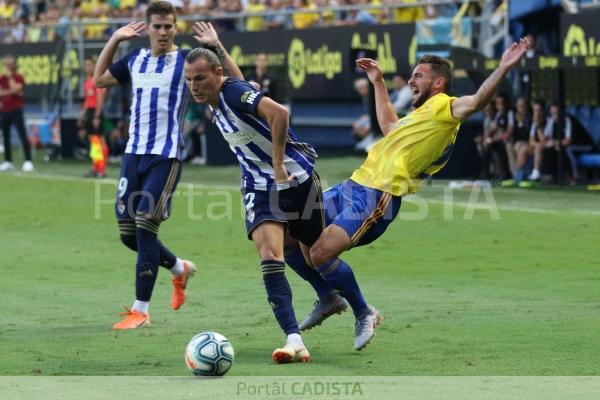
{"points": [[576, 43], [303, 61], [296, 63]]}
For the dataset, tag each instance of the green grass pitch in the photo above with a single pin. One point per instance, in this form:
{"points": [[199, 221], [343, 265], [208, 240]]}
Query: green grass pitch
{"points": [[514, 295]]}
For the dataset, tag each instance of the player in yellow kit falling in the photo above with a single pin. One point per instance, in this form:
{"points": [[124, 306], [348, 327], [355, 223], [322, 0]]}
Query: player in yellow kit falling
{"points": [[360, 209]]}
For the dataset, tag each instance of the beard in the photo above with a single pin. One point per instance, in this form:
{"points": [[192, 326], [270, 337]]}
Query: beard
{"points": [[421, 98]]}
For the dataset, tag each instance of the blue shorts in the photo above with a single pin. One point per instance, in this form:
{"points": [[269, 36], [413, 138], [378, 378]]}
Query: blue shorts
{"points": [[146, 185], [362, 212], [299, 207]]}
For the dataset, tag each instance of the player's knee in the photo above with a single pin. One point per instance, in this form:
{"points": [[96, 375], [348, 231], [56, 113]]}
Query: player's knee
{"points": [[319, 254], [147, 223], [127, 233], [270, 253]]}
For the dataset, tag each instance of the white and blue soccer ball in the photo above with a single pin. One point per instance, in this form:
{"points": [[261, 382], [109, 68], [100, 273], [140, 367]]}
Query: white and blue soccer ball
{"points": [[209, 354]]}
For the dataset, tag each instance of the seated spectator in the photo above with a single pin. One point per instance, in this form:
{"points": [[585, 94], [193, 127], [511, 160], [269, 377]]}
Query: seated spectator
{"points": [[556, 141], [305, 15], [199, 7], [328, 17], [407, 14], [537, 138], [223, 8], [401, 95], [499, 135], [517, 148], [481, 140], [278, 21], [357, 17], [254, 24], [94, 9]]}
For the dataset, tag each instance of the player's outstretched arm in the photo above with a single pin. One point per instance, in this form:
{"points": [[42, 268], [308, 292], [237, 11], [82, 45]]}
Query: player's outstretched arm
{"points": [[386, 116], [206, 34], [102, 76], [464, 106]]}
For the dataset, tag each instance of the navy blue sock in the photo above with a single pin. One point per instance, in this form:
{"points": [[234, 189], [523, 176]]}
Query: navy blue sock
{"points": [[147, 259], [279, 295], [166, 258], [128, 237], [295, 259], [340, 276]]}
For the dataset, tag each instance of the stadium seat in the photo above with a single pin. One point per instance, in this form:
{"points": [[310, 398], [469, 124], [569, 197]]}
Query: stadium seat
{"points": [[589, 160], [595, 126], [584, 115], [571, 110]]}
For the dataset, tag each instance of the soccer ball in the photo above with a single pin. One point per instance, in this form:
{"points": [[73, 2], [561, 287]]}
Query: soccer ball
{"points": [[209, 354]]}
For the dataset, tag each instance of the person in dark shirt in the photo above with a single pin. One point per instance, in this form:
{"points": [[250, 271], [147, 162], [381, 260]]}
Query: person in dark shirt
{"points": [[267, 82], [517, 147], [12, 88]]}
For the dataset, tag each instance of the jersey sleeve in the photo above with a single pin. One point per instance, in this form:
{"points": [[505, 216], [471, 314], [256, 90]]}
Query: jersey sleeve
{"points": [[120, 69], [242, 96], [442, 109]]}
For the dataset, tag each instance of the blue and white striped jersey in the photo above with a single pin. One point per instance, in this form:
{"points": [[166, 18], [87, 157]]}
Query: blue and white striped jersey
{"points": [[249, 137], [158, 103]]}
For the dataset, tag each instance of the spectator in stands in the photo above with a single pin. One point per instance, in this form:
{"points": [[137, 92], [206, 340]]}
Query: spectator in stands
{"points": [[225, 7], [328, 17], [401, 95], [361, 128], [267, 82], [278, 21], [556, 140], [406, 14], [517, 148], [9, 11], [254, 23], [537, 139], [481, 140], [199, 7], [94, 9], [305, 15], [12, 88], [358, 17], [501, 133]]}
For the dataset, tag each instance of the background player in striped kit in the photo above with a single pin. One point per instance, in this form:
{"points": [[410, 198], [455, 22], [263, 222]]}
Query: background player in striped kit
{"points": [[152, 163], [279, 186]]}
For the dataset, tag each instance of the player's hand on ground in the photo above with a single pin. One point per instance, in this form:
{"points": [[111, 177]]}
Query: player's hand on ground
{"points": [[205, 33], [514, 53], [130, 31], [371, 68]]}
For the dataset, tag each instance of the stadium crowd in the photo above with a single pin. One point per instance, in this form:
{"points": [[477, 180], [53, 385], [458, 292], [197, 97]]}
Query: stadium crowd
{"points": [[44, 20]]}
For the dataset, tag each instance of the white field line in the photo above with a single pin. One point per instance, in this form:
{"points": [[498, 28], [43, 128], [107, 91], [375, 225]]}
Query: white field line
{"points": [[457, 204]]}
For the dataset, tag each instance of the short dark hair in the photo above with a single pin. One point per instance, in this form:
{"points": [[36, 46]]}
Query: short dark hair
{"points": [[210, 54], [439, 67], [162, 8]]}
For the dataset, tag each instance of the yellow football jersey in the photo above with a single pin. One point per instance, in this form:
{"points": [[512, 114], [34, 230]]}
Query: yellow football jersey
{"points": [[419, 146]]}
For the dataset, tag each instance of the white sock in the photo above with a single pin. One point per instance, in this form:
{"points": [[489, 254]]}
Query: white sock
{"points": [[177, 269], [141, 306], [295, 340]]}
